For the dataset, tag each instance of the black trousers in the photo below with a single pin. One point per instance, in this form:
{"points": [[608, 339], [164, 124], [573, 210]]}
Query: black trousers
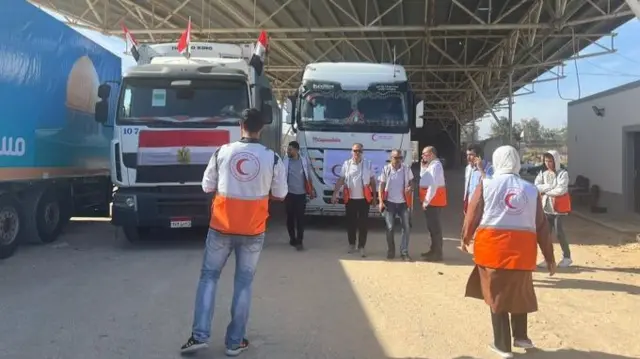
{"points": [[435, 228], [295, 205], [357, 221], [503, 327]]}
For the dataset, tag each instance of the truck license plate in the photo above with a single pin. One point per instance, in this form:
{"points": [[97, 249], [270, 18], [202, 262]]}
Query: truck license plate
{"points": [[180, 223]]}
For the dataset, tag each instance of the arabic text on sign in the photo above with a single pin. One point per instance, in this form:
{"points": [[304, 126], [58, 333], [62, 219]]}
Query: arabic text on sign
{"points": [[13, 147]]}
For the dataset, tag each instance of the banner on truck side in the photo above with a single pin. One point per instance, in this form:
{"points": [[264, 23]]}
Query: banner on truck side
{"points": [[334, 159]]}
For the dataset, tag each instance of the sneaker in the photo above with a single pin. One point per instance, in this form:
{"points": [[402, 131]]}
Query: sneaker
{"points": [[192, 345], [565, 263], [523, 343], [351, 249], [433, 257], [500, 352], [363, 254], [406, 258], [299, 247], [542, 264], [234, 352], [391, 255]]}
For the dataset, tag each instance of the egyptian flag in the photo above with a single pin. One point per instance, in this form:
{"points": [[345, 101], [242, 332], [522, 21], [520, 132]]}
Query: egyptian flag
{"points": [[185, 41], [129, 39], [179, 147], [257, 60]]}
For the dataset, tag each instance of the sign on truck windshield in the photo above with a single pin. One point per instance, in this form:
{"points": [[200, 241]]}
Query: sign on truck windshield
{"points": [[194, 103], [370, 110]]}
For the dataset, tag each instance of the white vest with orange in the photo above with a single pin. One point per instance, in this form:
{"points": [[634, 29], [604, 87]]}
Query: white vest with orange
{"points": [[308, 185], [246, 172], [408, 196], [366, 171], [437, 174], [506, 237]]}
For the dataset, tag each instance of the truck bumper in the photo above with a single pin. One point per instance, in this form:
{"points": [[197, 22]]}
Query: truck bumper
{"points": [[166, 209]]}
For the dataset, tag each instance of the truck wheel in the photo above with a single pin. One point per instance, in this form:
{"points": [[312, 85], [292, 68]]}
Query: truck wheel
{"points": [[135, 234], [10, 226], [49, 217], [43, 216]]}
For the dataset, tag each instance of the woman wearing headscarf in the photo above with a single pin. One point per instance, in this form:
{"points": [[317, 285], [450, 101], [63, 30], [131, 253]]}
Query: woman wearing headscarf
{"points": [[506, 222]]}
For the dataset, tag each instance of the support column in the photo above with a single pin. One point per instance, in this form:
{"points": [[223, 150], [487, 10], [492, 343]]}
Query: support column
{"points": [[510, 138]]}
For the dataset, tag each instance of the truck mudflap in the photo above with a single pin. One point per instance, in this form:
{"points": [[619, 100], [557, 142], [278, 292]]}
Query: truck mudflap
{"points": [[164, 209]]}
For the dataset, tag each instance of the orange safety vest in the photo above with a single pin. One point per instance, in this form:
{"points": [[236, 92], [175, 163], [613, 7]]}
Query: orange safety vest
{"points": [[440, 197], [245, 172], [506, 237], [408, 196]]}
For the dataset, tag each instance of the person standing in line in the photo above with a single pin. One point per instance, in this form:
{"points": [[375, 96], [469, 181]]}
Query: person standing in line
{"points": [[358, 179], [242, 176], [476, 170], [300, 186], [506, 221], [395, 192], [553, 185], [433, 194]]}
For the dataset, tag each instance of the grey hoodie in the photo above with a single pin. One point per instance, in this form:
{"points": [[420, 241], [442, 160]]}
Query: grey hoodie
{"points": [[552, 184]]}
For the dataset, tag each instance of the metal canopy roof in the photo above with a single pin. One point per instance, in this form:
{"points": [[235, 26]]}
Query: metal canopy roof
{"points": [[458, 53]]}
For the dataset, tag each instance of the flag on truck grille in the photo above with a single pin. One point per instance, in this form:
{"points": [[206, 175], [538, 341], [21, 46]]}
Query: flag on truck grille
{"points": [[130, 40], [185, 41], [167, 148], [257, 60]]}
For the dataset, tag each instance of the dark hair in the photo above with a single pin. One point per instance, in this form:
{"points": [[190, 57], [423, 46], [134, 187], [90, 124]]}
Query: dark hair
{"points": [[294, 144], [549, 157], [475, 148], [252, 120]]}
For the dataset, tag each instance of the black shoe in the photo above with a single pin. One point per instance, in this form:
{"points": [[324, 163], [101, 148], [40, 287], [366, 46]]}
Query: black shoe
{"points": [[406, 258], [426, 254], [299, 247], [391, 255], [433, 257], [292, 242], [192, 346], [235, 351]]}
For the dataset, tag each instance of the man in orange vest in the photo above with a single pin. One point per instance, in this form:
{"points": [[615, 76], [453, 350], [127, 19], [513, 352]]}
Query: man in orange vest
{"points": [[506, 221], [358, 179], [242, 176], [300, 186], [553, 185], [433, 195], [395, 192]]}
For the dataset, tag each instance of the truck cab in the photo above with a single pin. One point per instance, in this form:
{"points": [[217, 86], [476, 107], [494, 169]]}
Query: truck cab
{"points": [[339, 104], [172, 114]]}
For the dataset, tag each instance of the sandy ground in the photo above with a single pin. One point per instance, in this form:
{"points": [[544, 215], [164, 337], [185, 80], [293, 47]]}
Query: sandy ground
{"points": [[92, 295]]}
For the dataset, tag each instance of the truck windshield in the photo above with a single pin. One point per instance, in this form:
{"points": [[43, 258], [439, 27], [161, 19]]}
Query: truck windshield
{"points": [[354, 111], [170, 102]]}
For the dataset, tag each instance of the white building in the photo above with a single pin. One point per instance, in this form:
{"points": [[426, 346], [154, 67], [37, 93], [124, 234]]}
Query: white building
{"points": [[604, 145]]}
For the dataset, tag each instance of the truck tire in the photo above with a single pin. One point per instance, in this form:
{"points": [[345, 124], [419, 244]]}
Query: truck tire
{"points": [[135, 234], [44, 216], [11, 224]]}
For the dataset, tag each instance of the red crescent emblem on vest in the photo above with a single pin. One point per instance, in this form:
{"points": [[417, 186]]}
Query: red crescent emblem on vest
{"points": [[239, 166], [334, 170], [515, 200]]}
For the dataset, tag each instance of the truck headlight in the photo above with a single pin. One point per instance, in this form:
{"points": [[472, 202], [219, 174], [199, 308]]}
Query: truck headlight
{"points": [[125, 201]]}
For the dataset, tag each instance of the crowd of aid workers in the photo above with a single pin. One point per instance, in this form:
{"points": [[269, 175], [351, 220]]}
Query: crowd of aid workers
{"points": [[506, 220]]}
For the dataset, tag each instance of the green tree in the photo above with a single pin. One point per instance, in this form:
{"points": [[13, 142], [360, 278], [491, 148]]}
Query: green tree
{"points": [[501, 129], [532, 129], [469, 133]]}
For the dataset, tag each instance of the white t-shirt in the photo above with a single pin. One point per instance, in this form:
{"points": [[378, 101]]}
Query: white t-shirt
{"points": [[354, 176], [395, 179]]}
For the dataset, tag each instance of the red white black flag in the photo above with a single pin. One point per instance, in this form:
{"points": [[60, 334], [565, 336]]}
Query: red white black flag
{"points": [[185, 40], [130, 40], [257, 60]]}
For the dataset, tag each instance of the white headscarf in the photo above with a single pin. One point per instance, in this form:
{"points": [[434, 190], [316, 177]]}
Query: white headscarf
{"points": [[506, 160]]}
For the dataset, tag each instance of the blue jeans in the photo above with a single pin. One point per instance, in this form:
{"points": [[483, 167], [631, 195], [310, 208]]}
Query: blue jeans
{"points": [[400, 210], [218, 249]]}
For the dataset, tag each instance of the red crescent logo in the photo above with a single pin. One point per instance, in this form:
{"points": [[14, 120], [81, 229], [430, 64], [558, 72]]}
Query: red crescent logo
{"points": [[334, 170], [239, 166], [244, 166], [507, 200]]}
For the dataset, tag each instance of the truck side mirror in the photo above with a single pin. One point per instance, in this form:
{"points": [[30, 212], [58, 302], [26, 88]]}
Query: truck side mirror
{"points": [[291, 111], [420, 114], [101, 108], [267, 114]]}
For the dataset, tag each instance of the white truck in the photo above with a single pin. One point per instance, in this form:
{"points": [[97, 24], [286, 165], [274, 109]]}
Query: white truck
{"points": [[172, 114], [339, 104]]}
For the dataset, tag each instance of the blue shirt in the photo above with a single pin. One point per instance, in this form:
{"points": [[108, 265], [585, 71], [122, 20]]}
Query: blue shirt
{"points": [[474, 179]]}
